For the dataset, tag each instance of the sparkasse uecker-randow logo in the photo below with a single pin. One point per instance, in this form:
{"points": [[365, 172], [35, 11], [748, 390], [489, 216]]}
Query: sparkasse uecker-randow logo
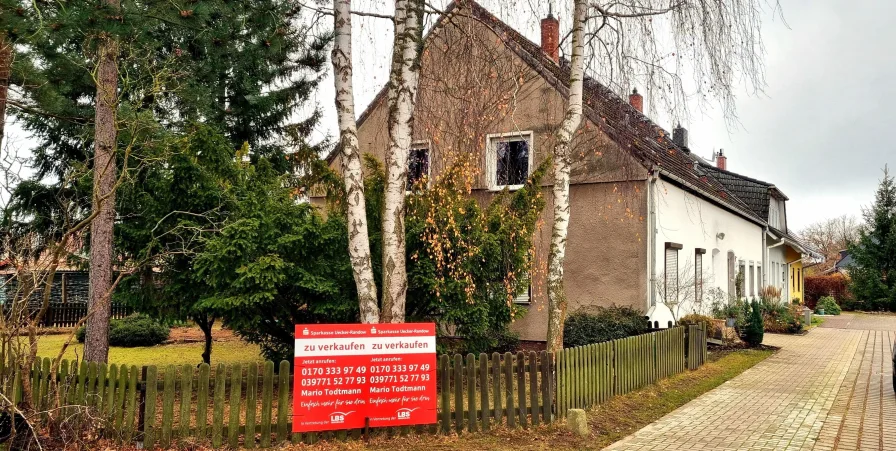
{"points": [[339, 417]]}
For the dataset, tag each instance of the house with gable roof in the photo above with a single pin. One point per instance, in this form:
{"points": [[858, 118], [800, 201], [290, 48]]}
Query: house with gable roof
{"points": [[652, 226]]}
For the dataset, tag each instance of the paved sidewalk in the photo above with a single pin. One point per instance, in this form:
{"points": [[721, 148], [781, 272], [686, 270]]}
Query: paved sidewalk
{"points": [[828, 390]]}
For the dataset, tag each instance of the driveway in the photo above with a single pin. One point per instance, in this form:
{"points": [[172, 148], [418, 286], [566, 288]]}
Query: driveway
{"points": [[830, 389]]}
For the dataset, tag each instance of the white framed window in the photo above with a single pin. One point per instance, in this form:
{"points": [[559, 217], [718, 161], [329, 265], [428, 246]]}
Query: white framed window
{"points": [[759, 284], [509, 159], [525, 297], [670, 282], [418, 163], [752, 280]]}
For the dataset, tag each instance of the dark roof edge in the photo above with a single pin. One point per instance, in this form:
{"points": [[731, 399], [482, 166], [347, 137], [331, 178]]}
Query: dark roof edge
{"points": [[685, 185]]}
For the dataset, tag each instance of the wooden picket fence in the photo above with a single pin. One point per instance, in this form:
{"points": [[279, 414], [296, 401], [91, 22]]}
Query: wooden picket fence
{"points": [[250, 405], [592, 374]]}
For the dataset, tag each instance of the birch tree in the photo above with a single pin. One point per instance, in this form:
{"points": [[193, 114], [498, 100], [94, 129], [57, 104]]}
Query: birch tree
{"points": [[402, 96], [356, 216], [571, 120], [718, 44]]}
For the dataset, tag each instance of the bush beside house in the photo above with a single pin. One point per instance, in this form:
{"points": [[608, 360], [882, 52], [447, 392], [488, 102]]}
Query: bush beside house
{"points": [[600, 324], [828, 305]]}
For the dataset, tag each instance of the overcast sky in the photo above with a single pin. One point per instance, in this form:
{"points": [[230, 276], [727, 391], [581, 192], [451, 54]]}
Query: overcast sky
{"points": [[821, 130]]}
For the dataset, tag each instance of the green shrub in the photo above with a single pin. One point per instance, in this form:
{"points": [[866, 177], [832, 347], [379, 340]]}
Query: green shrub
{"points": [[602, 324], [829, 305], [784, 319], [507, 341], [753, 330], [133, 331]]}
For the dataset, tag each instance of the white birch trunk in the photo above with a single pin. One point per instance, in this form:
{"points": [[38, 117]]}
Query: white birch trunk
{"points": [[356, 215], [571, 120], [402, 99]]}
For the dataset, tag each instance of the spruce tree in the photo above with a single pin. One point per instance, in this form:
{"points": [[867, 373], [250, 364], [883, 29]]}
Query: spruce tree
{"points": [[873, 272], [246, 69]]}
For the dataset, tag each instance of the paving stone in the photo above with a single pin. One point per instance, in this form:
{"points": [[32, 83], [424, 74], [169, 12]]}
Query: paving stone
{"points": [[828, 390]]}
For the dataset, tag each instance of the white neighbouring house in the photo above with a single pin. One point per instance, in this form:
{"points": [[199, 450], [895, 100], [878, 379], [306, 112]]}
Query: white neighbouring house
{"points": [[700, 246]]}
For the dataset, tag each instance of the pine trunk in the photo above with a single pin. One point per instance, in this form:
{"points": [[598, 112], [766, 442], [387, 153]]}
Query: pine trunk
{"points": [[571, 120], [356, 216], [402, 99], [105, 173], [5, 67]]}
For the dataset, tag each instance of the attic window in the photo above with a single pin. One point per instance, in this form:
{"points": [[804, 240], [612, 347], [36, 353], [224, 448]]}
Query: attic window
{"points": [[510, 158]]}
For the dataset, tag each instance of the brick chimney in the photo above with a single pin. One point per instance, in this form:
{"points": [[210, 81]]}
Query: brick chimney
{"points": [[680, 137], [550, 36], [636, 100], [721, 161]]}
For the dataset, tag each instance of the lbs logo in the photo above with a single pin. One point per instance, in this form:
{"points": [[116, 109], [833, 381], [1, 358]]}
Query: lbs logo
{"points": [[404, 414], [339, 417]]}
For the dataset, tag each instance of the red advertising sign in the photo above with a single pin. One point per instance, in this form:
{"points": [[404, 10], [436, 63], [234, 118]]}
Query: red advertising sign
{"points": [[347, 373]]}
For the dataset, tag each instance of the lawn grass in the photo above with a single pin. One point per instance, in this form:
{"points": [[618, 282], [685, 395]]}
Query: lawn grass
{"points": [[229, 351], [609, 422]]}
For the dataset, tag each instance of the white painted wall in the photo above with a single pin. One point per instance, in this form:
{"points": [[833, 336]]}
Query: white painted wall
{"points": [[684, 218], [776, 265]]}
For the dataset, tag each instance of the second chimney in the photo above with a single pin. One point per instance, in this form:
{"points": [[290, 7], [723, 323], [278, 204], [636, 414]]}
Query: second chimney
{"points": [[636, 100], [550, 37], [721, 161], [680, 137]]}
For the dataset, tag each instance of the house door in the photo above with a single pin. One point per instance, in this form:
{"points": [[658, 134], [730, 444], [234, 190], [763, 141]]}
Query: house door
{"points": [[731, 274]]}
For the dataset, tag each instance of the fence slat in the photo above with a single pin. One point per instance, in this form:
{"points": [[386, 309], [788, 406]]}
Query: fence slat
{"points": [[546, 386], [102, 370], [149, 416], [521, 387], [533, 387], [508, 387], [109, 397], [236, 385], [44, 387], [186, 399], [497, 405], [130, 410], [283, 405], [483, 392], [202, 402], [561, 373], [267, 391], [446, 393], [472, 421], [251, 404], [218, 414], [118, 409], [458, 393], [283, 408], [167, 405]]}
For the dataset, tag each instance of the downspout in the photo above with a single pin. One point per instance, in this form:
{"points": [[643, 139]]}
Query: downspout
{"points": [[651, 236], [764, 257]]}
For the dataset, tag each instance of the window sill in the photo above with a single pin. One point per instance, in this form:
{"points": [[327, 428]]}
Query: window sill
{"points": [[509, 187]]}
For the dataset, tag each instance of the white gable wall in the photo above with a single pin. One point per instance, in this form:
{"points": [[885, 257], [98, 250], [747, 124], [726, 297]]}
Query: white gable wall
{"points": [[689, 220]]}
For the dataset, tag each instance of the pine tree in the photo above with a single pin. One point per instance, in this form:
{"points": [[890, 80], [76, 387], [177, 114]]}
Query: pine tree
{"points": [[873, 273]]}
